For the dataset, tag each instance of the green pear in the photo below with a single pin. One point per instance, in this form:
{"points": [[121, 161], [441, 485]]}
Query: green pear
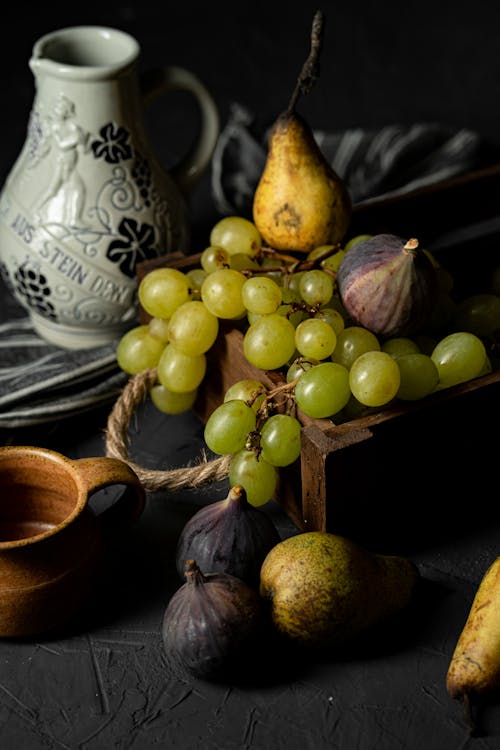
{"points": [[325, 590]]}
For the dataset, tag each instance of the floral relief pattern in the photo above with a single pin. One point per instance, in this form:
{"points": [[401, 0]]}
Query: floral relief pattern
{"points": [[113, 145], [135, 244], [32, 284]]}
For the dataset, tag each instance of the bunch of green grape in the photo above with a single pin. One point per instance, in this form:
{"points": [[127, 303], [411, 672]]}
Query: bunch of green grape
{"points": [[185, 309], [292, 320], [259, 438]]}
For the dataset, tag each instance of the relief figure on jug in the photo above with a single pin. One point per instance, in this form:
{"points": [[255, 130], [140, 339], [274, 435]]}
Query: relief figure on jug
{"points": [[64, 198]]}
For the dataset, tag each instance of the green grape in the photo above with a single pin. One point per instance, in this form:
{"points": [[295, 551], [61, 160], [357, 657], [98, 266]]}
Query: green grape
{"points": [[356, 240], [323, 390], [236, 235], [221, 293], [297, 368], [181, 373], [333, 262], [355, 410], [272, 269], [252, 317], [315, 338], [336, 304], [290, 295], [351, 343], [294, 316], [196, 278], [458, 357], [487, 367], [261, 295], [172, 403], [419, 376], [213, 258], [158, 327], [332, 317], [138, 350], [316, 287], [293, 283], [320, 251], [247, 390], [374, 378], [280, 440], [291, 299], [227, 427], [269, 342], [258, 478], [193, 328], [162, 290], [479, 314], [242, 262], [400, 345]]}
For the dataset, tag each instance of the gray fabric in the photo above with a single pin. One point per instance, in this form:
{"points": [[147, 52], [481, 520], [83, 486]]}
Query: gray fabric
{"points": [[392, 160], [40, 382]]}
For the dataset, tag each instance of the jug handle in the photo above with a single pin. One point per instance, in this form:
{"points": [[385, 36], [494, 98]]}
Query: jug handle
{"points": [[188, 171], [103, 471]]}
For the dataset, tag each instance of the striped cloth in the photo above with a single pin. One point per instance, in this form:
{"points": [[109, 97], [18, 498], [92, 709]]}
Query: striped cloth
{"points": [[40, 382], [373, 163]]}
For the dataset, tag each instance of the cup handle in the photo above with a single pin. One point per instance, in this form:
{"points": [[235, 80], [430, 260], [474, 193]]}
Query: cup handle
{"points": [[104, 471], [188, 171]]}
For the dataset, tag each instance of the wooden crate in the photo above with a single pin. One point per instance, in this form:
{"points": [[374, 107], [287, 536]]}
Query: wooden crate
{"points": [[389, 463]]}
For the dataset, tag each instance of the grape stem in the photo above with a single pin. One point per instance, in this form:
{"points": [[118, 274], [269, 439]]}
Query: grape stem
{"points": [[271, 405], [297, 263]]}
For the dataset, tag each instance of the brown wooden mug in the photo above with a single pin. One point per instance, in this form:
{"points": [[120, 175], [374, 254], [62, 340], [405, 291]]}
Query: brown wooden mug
{"points": [[51, 540]]}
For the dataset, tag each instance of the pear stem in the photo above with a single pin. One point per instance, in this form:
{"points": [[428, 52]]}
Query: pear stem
{"points": [[310, 70]]}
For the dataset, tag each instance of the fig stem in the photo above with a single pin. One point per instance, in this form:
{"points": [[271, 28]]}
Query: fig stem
{"points": [[193, 574], [411, 246], [237, 496], [310, 70]]}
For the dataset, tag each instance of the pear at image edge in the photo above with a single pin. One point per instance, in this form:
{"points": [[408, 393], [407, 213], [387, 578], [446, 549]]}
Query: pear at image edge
{"points": [[300, 202]]}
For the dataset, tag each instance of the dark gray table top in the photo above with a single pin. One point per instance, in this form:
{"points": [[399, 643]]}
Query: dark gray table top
{"points": [[103, 682]]}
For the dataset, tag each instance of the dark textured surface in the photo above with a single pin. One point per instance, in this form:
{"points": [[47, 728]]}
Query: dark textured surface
{"points": [[103, 683]]}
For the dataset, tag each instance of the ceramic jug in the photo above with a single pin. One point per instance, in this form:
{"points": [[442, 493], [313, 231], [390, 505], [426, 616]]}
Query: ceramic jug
{"points": [[87, 198], [52, 539]]}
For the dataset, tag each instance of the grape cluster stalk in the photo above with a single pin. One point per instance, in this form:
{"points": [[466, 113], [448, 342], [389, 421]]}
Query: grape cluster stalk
{"points": [[293, 321]]}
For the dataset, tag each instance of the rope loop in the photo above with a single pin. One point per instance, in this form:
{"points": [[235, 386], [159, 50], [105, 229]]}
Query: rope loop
{"points": [[117, 443]]}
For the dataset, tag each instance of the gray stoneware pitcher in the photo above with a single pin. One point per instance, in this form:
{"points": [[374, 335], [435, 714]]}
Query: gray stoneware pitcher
{"points": [[87, 199]]}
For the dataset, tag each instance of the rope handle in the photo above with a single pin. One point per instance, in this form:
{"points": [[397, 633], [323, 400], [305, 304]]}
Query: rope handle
{"points": [[117, 443]]}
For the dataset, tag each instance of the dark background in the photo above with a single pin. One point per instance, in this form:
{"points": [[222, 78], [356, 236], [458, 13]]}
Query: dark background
{"points": [[104, 683], [382, 63]]}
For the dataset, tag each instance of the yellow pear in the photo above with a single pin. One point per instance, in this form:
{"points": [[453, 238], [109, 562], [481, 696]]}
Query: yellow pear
{"points": [[474, 669], [325, 590], [300, 202]]}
